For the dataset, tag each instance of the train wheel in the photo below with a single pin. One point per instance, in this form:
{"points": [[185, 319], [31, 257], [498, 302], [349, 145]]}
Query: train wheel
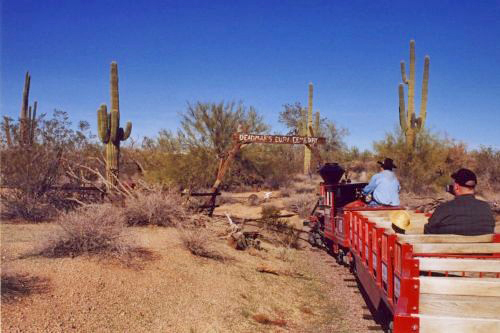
{"points": [[340, 257], [352, 267]]}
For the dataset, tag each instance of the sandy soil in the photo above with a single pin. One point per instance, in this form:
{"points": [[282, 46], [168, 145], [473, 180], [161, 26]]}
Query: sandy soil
{"points": [[171, 290], [174, 291]]}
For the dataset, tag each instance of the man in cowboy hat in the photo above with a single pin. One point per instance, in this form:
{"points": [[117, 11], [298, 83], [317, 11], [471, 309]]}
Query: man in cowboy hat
{"points": [[384, 186], [464, 215]]}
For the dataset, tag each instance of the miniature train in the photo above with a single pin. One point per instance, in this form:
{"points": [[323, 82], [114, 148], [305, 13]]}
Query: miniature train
{"points": [[414, 282]]}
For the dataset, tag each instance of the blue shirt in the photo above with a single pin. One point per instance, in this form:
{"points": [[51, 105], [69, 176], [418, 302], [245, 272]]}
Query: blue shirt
{"points": [[385, 188]]}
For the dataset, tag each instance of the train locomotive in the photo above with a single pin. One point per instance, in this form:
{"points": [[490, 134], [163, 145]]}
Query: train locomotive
{"points": [[413, 282]]}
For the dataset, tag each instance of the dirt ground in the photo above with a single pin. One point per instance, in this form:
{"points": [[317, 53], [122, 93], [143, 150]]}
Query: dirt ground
{"points": [[170, 290]]}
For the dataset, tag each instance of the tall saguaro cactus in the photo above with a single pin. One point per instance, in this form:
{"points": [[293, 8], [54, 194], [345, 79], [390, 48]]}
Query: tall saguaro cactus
{"points": [[27, 116], [110, 131], [308, 125], [410, 124]]}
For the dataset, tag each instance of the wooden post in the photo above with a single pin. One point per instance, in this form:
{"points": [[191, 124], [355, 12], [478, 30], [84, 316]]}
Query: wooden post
{"points": [[307, 152]]}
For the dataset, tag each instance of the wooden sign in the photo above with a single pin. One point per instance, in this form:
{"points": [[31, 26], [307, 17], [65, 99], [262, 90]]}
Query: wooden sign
{"points": [[281, 139]]}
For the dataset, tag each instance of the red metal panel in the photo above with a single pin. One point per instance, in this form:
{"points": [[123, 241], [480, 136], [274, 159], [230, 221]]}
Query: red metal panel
{"points": [[368, 244], [406, 324], [347, 228], [376, 254]]}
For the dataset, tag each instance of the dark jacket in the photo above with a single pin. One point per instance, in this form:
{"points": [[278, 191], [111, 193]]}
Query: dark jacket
{"points": [[464, 215]]}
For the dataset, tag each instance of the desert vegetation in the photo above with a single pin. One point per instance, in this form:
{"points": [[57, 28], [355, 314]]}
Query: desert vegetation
{"points": [[115, 198]]}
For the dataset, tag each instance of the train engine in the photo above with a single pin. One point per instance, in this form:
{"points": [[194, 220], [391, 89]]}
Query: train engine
{"points": [[327, 227]]}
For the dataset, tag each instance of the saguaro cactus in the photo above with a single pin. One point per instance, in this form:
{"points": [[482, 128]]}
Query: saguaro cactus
{"points": [[110, 131], [308, 125], [410, 124], [27, 116]]}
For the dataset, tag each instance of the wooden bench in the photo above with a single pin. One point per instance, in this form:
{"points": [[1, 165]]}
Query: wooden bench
{"points": [[442, 324], [445, 238], [456, 248], [454, 304], [459, 265], [451, 303]]}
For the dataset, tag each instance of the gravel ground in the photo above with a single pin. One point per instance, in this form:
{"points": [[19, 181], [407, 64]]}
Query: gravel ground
{"points": [[342, 290]]}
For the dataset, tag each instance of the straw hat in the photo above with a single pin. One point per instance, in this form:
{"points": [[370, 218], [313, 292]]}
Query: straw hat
{"points": [[400, 220]]}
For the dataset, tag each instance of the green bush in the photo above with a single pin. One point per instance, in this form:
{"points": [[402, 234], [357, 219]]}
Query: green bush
{"points": [[428, 167]]}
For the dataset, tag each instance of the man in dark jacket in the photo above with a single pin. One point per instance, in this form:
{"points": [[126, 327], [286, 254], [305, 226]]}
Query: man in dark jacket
{"points": [[464, 215]]}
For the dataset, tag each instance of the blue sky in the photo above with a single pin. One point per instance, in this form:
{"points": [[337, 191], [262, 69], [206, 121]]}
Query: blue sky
{"points": [[263, 53]]}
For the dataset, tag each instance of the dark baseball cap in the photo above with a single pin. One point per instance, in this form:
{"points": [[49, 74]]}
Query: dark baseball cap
{"points": [[465, 177]]}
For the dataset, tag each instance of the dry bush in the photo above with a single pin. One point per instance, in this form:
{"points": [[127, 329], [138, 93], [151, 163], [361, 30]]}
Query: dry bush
{"points": [[305, 188], [33, 169], [155, 208], [226, 199], [92, 229], [286, 192], [290, 239], [15, 203], [16, 285], [284, 233], [270, 217], [29, 172], [302, 204], [487, 167], [199, 243]]}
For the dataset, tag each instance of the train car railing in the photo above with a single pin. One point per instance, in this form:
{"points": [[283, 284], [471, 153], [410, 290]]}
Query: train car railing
{"points": [[409, 273], [449, 285]]}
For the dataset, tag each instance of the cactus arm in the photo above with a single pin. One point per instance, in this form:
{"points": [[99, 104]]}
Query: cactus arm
{"points": [[127, 131], [402, 110], [403, 72], [309, 108], [102, 123], [26, 93], [316, 124], [23, 115], [29, 133], [6, 124], [32, 122], [115, 104], [35, 105], [114, 125], [411, 87], [425, 89]]}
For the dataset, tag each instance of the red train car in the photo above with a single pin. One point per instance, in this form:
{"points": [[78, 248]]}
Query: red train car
{"points": [[414, 282]]}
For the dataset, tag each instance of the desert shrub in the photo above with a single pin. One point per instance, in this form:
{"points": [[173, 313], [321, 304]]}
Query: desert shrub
{"points": [[301, 204], [423, 169], [286, 191], [290, 238], [304, 187], [487, 168], [33, 169], [92, 229], [226, 199], [284, 233], [270, 217], [200, 243], [269, 211], [155, 208], [16, 285]]}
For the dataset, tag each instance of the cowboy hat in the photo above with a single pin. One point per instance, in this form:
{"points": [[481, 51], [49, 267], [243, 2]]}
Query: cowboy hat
{"points": [[388, 164]]}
